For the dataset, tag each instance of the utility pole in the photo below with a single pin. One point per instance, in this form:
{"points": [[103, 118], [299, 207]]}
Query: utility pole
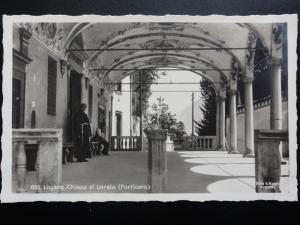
{"points": [[130, 106], [141, 112], [193, 114]]}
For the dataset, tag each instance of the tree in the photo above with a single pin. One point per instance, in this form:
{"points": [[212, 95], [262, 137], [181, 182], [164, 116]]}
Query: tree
{"points": [[148, 77], [161, 115], [207, 125]]}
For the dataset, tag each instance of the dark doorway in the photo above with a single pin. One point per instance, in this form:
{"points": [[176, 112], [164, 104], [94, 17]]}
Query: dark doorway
{"points": [[16, 112], [74, 102], [119, 123], [18, 89]]}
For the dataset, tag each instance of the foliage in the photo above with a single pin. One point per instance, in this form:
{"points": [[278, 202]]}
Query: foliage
{"points": [[148, 77], [207, 125], [161, 115]]}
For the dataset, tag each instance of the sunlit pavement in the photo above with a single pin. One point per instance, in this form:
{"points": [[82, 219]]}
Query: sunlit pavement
{"points": [[234, 173], [188, 172]]}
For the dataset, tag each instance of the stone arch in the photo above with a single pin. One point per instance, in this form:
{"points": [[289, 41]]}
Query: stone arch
{"points": [[79, 28], [152, 55]]}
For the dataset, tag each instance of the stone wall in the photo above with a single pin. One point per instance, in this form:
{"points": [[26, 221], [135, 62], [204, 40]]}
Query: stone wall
{"points": [[121, 104], [261, 116], [36, 84], [36, 88]]}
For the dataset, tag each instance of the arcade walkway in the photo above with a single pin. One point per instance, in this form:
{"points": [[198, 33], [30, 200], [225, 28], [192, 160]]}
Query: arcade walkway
{"points": [[188, 172]]}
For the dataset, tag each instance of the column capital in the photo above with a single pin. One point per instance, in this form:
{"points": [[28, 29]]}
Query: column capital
{"points": [[220, 98], [248, 79], [232, 91]]}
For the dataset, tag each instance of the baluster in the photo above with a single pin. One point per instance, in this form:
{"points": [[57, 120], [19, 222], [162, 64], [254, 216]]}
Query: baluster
{"points": [[130, 143], [126, 143], [134, 143], [121, 143], [210, 143], [118, 143], [21, 166]]}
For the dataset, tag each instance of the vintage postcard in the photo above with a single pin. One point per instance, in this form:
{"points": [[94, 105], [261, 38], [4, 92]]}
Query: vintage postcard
{"points": [[139, 108]]}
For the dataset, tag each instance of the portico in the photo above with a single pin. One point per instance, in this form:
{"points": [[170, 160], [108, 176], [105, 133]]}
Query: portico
{"points": [[86, 62]]}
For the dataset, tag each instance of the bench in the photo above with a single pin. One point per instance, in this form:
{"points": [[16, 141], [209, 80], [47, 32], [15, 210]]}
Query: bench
{"points": [[68, 152], [94, 147]]}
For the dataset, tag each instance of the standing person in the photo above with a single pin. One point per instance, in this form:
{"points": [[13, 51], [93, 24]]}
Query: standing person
{"points": [[83, 134], [102, 142]]}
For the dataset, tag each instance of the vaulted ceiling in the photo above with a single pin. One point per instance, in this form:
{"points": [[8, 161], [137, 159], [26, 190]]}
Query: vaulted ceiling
{"points": [[210, 49]]}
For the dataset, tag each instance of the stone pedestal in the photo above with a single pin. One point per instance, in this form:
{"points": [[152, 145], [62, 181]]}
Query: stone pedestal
{"points": [[268, 160], [49, 156], [157, 160]]}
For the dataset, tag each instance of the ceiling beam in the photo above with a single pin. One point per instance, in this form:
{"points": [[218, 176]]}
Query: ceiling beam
{"points": [[159, 69], [159, 49]]}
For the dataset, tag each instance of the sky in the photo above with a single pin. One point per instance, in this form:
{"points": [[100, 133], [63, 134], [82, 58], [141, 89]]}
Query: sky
{"points": [[180, 103]]}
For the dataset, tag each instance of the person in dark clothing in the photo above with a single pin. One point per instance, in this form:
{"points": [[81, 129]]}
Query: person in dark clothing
{"points": [[103, 144], [83, 134]]}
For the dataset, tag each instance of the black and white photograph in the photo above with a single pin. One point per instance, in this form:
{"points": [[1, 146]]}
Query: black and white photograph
{"points": [[142, 108]]}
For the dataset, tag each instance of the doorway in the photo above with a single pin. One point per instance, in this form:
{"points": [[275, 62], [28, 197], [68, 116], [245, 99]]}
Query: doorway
{"points": [[119, 123], [74, 103], [16, 107]]}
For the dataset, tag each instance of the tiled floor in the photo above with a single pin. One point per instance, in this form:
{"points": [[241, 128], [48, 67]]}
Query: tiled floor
{"points": [[188, 172]]}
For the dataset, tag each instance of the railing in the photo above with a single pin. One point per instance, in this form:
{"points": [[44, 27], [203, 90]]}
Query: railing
{"points": [[195, 143], [125, 143], [49, 156], [259, 103]]}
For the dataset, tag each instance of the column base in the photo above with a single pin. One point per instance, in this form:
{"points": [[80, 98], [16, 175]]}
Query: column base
{"points": [[221, 148], [249, 155], [233, 151]]}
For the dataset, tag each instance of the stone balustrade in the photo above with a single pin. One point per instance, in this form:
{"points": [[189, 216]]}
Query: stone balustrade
{"points": [[49, 156], [268, 159], [259, 104], [195, 143], [125, 143]]}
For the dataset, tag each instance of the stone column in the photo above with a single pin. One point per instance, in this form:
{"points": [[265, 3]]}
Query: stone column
{"points": [[222, 123], [249, 127], [276, 101], [217, 123], [233, 127], [157, 160]]}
